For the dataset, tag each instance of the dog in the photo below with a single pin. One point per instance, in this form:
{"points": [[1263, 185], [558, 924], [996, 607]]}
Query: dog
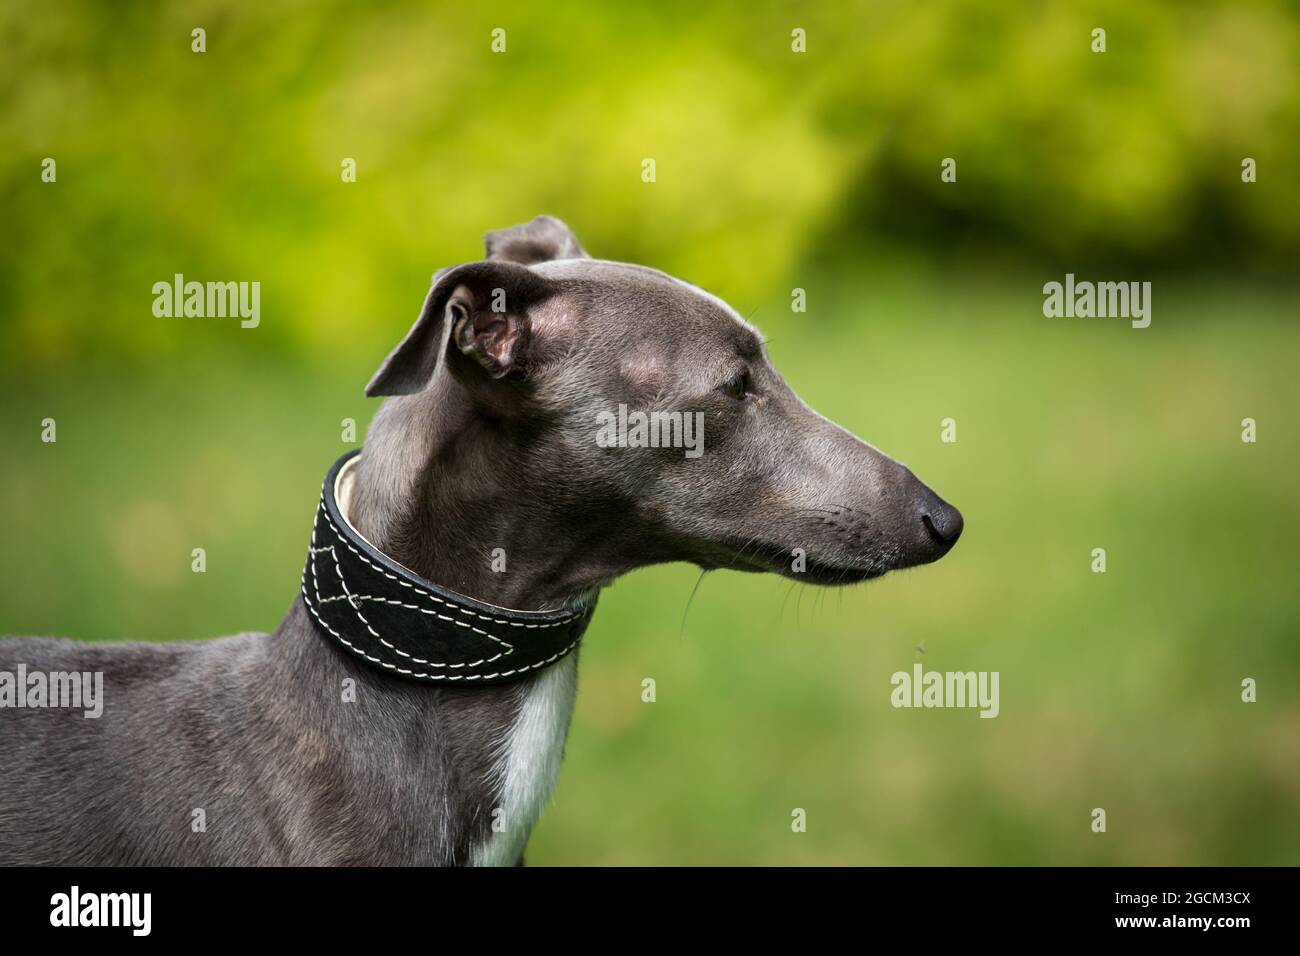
{"points": [[402, 713]]}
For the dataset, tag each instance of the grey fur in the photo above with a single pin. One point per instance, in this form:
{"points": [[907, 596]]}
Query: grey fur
{"points": [[487, 442]]}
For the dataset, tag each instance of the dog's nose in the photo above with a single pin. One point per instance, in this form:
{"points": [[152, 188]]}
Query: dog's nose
{"points": [[943, 521], [929, 526]]}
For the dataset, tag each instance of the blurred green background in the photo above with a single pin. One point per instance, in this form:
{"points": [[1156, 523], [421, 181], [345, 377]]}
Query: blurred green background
{"points": [[775, 170]]}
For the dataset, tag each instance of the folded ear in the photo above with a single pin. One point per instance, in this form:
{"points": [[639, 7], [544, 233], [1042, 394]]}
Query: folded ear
{"points": [[482, 308], [543, 239]]}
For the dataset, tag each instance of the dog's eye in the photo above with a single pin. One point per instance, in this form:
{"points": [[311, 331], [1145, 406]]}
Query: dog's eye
{"points": [[738, 386]]}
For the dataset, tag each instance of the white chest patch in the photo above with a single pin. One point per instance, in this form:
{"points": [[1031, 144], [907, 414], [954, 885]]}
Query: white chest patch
{"points": [[527, 762]]}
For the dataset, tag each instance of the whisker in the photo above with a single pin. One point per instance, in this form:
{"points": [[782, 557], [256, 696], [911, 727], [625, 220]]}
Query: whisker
{"points": [[786, 599], [681, 635]]}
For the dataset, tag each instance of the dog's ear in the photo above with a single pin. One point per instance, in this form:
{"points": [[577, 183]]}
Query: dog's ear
{"points": [[543, 239], [481, 309]]}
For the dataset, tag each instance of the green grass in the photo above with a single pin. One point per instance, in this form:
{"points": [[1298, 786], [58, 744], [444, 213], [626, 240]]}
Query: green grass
{"points": [[1118, 690]]}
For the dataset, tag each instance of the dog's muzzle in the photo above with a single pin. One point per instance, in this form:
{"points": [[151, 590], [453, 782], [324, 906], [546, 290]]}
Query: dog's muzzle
{"points": [[407, 626]]}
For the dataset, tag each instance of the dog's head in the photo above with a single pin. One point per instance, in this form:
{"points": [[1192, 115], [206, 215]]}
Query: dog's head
{"points": [[636, 414]]}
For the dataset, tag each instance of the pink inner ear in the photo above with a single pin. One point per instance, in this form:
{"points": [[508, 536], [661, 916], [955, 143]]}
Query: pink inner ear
{"points": [[497, 334]]}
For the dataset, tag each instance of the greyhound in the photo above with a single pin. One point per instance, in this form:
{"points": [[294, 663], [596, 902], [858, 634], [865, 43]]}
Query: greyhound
{"points": [[480, 488]]}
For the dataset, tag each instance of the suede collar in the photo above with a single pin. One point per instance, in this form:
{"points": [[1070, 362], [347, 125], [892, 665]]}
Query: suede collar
{"points": [[400, 623]]}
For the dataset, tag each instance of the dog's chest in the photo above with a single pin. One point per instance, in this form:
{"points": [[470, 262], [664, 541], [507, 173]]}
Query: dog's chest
{"points": [[527, 762]]}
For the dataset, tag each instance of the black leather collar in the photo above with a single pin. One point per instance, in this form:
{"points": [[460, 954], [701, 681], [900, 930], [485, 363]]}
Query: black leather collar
{"points": [[400, 623]]}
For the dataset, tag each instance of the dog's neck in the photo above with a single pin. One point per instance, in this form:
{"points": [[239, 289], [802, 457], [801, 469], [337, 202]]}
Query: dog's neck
{"points": [[435, 489], [439, 490]]}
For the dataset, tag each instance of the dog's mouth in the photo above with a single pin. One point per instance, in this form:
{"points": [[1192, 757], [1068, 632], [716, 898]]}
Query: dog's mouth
{"points": [[797, 564]]}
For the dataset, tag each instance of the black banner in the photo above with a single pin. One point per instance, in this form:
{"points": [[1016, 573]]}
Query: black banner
{"points": [[333, 906]]}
